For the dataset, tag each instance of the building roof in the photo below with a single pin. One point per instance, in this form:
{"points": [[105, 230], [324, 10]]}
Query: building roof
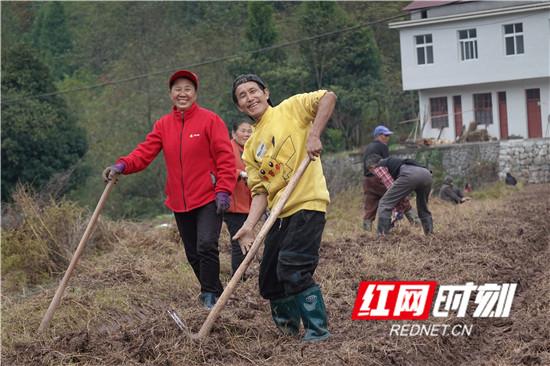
{"points": [[419, 4], [527, 6]]}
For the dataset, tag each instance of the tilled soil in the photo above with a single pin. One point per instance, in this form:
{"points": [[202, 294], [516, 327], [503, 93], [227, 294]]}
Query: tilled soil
{"points": [[496, 241]]}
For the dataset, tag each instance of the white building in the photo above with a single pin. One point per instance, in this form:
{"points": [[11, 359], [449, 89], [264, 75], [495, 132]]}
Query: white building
{"points": [[483, 61]]}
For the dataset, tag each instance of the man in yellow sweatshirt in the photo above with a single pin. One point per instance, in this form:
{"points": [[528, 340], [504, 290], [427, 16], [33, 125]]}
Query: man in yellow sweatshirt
{"points": [[282, 137]]}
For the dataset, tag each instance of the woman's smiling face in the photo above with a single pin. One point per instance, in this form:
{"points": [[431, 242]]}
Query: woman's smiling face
{"points": [[183, 94]]}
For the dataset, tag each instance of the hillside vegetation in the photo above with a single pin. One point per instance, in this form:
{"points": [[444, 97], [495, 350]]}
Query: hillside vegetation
{"points": [[105, 67]]}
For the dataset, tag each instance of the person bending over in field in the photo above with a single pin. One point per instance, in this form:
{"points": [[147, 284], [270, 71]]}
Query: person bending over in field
{"points": [[402, 177], [373, 188]]}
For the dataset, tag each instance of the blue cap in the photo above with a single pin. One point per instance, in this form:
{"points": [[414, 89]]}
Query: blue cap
{"points": [[382, 130]]}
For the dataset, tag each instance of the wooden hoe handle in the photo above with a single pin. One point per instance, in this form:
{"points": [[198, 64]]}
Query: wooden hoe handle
{"points": [[63, 284], [215, 312]]}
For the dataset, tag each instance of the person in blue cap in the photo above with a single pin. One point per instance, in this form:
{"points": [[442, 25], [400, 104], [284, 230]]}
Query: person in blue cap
{"points": [[373, 188]]}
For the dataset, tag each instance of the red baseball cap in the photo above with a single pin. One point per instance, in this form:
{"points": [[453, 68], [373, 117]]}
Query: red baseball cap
{"points": [[184, 74]]}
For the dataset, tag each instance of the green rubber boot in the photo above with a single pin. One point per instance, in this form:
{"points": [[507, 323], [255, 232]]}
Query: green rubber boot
{"points": [[314, 315], [286, 315]]}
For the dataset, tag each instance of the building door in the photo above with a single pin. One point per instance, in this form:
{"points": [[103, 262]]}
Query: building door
{"points": [[457, 110], [483, 109], [503, 115], [534, 122]]}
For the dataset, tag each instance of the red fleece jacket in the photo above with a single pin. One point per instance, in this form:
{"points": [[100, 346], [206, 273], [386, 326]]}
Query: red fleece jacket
{"points": [[241, 198], [198, 155]]}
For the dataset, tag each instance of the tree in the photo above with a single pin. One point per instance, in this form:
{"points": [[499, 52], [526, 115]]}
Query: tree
{"points": [[39, 138], [261, 32], [123, 40], [16, 21], [51, 37], [396, 105], [347, 62], [282, 77]]}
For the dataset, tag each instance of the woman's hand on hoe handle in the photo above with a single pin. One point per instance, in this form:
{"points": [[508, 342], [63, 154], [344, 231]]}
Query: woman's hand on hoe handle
{"points": [[111, 172]]}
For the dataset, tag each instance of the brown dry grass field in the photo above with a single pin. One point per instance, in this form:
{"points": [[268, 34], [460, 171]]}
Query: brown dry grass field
{"points": [[114, 311]]}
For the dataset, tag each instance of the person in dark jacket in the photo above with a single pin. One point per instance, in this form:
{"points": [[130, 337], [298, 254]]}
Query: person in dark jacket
{"points": [[510, 180], [373, 188], [201, 175], [402, 177], [450, 193]]}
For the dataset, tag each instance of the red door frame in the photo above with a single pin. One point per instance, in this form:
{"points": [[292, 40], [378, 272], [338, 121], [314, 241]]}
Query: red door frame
{"points": [[534, 120], [503, 115], [457, 111]]}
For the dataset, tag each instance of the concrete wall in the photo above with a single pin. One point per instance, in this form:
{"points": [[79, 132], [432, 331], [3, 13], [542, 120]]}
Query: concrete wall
{"points": [[492, 64], [516, 107]]}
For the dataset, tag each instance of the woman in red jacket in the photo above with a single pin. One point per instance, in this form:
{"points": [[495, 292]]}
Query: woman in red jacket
{"points": [[236, 215], [200, 177]]}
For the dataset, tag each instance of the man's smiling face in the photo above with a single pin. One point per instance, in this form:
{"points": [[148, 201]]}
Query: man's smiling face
{"points": [[251, 99]]}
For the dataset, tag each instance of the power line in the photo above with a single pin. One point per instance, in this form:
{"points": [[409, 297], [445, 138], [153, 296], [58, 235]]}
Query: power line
{"points": [[207, 62]]}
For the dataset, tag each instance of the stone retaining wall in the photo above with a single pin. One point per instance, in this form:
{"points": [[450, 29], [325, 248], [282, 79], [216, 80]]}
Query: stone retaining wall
{"points": [[477, 162], [528, 160]]}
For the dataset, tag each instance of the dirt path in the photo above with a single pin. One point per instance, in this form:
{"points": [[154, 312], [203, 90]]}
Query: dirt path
{"points": [[495, 241]]}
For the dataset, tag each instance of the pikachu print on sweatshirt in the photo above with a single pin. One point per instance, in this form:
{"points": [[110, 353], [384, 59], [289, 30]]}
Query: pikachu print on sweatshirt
{"points": [[275, 150]]}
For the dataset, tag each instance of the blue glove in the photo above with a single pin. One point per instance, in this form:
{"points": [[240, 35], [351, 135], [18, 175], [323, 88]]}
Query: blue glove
{"points": [[222, 202]]}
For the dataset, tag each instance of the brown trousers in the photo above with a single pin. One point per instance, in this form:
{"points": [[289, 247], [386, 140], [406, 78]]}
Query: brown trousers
{"points": [[374, 189]]}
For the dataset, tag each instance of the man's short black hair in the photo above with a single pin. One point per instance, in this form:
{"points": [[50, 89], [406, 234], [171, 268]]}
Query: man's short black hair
{"points": [[245, 78]]}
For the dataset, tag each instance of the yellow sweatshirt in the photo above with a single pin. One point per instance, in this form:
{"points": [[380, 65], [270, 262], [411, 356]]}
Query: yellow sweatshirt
{"points": [[277, 147]]}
